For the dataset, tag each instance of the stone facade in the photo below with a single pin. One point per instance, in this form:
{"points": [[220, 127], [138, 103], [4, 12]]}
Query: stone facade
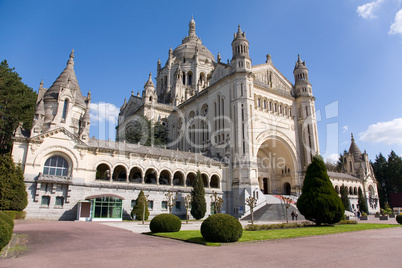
{"points": [[247, 128]]}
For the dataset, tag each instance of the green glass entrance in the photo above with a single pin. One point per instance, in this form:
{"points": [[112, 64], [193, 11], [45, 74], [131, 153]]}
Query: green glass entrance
{"points": [[107, 207]]}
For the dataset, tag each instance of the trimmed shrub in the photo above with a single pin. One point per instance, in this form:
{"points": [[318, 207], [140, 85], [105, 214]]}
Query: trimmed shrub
{"points": [[198, 203], [319, 201], [138, 209], [6, 229], [221, 228], [399, 218], [6, 218], [164, 223]]}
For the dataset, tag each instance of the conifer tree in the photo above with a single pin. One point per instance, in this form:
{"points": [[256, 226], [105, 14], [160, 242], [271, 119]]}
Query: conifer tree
{"points": [[17, 104], [198, 203], [138, 209], [361, 201], [345, 197], [13, 195], [319, 201]]}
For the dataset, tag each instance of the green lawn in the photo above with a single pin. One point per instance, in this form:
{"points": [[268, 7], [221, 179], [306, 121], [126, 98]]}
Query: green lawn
{"points": [[196, 237]]}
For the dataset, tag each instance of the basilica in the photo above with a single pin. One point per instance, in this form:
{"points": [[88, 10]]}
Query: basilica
{"points": [[246, 128]]}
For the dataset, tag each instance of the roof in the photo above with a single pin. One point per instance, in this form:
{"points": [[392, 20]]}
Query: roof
{"points": [[355, 151], [101, 195], [66, 79], [341, 175]]}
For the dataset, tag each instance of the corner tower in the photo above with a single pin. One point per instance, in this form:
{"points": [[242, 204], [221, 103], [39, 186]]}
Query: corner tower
{"points": [[306, 118], [241, 60]]}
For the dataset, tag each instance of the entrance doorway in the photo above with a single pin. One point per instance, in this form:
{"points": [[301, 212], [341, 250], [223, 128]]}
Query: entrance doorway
{"points": [[287, 188], [265, 183]]}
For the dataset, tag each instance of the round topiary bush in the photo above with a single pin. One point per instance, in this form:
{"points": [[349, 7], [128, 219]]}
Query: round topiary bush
{"points": [[399, 218], [221, 228], [164, 223]]}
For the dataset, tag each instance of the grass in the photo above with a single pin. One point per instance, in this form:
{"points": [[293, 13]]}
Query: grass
{"points": [[195, 236]]}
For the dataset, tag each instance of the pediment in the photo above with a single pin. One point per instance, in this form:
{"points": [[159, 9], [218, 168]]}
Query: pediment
{"points": [[60, 133]]}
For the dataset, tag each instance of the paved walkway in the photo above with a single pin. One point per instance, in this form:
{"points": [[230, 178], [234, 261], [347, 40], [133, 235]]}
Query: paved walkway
{"points": [[91, 244]]}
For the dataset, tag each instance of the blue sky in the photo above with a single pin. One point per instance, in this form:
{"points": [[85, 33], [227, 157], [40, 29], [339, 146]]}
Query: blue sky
{"points": [[353, 50]]}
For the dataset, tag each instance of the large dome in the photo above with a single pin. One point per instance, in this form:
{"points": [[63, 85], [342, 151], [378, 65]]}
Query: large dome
{"points": [[189, 45]]}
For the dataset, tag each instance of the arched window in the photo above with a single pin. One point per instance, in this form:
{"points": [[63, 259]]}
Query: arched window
{"points": [[64, 114], [56, 166]]}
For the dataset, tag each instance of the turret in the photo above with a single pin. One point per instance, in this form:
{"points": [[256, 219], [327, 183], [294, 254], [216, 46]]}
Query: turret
{"points": [[149, 93], [240, 49], [302, 83]]}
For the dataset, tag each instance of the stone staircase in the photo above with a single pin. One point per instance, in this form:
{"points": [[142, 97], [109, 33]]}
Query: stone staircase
{"points": [[274, 210]]}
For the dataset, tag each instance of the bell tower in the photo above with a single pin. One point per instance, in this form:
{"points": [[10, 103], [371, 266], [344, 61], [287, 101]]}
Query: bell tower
{"points": [[306, 118], [241, 60]]}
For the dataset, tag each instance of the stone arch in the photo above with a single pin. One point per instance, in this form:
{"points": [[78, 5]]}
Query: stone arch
{"points": [[150, 176], [103, 172], [164, 177], [215, 181], [119, 173], [66, 153], [205, 180], [277, 164], [135, 175], [350, 190], [337, 189], [178, 178], [190, 179], [355, 190]]}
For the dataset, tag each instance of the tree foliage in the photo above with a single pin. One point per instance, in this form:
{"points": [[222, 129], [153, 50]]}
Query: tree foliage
{"points": [[361, 201], [345, 197], [319, 201], [198, 203], [13, 195], [17, 104], [388, 173], [147, 133], [138, 209]]}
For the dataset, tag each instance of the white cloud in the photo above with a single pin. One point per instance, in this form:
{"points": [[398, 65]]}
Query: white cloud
{"points": [[104, 112], [332, 158], [384, 132], [345, 129], [366, 11], [396, 27]]}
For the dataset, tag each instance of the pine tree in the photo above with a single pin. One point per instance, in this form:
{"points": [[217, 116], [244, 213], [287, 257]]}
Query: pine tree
{"points": [[198, 203], [319, 201], [361, 201], [17, 104], [13, 195], [345, 197], [380, 169], [146, 133], [138, 209]]}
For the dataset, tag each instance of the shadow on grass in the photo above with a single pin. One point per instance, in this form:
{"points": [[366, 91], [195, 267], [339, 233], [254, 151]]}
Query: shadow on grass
{"points": [[196, 240]]}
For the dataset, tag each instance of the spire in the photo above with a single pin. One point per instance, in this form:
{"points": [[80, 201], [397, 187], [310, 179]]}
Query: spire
{"points": [[149, 83], [67, 77], [354, 150], [191, 26], [300, 64], [70, 62]]}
